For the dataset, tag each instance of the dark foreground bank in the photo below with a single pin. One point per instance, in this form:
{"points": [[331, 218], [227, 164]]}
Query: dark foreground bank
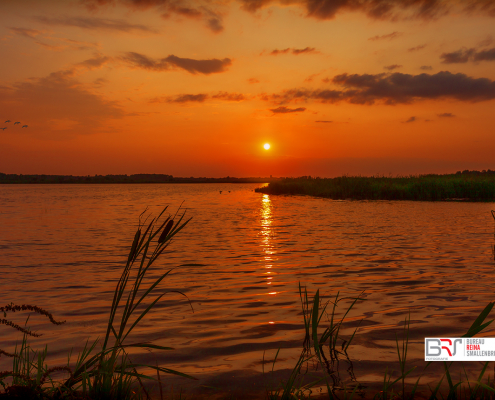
{"points": [[466, 186]]}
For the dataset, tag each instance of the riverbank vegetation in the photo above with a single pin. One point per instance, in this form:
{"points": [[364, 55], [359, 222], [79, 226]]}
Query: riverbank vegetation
{"points": [[110, 373], [462, 186]]}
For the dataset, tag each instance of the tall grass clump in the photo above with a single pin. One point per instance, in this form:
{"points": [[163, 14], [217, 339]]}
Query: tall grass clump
{"points": [[317, 335], [473, 187], [323, 346], [108, 373]]}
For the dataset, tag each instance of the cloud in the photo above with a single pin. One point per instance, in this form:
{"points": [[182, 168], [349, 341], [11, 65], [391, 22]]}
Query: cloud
{"points": [[416, 48], [186, 98], [96, 62], [94, 23], [199, 98], [205, 67], [60, 97], [388, 36], [446, 115], [201, 11], [395, 88], [412, 119], [325, 122], [465, 55], [184, 11], [392, 10], [375, 9], [229, 96], [305, 50], [30, 33], [392, 67], [253, 80], [286, 110], [426, 67], [294, 51], [276, 52], [459, 56], [66, 43], [485, 55]]}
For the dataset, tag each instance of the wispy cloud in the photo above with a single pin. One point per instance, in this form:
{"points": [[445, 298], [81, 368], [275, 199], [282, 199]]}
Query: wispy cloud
{"points": [[294, 51], [416, 48], [94, 23], [426, 67], [205, 67], [446, 115], [388, 36], [30, 33], [286, 110], [392, 67], [412, 119], [199, 98], [465, 55], [323, 9], [187, 98], [96, 62]]}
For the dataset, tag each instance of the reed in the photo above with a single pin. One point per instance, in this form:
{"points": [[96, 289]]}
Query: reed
{"points": [[472, 187], [109, 373], [320, 334]]}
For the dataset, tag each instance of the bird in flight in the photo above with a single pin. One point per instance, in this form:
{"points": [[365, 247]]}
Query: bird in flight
{"points": [[15, 123], [7, 121], [3, 128], [24, 126]]}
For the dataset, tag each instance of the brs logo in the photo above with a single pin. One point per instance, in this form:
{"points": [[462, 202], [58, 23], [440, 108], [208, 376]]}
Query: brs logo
{"points": [[434, 347]]}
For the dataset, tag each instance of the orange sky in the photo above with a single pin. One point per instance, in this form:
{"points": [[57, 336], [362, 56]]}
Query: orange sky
{"points": [[195, 88]]}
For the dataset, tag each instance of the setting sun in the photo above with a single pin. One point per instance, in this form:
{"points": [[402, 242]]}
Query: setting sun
{"points": [[266, 146]]}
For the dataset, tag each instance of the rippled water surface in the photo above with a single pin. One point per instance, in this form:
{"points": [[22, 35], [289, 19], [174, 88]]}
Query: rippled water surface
{"points": [[241, 258]]}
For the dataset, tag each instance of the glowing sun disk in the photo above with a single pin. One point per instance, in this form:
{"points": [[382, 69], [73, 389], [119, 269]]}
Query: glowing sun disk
{"points": [[266, 146]]}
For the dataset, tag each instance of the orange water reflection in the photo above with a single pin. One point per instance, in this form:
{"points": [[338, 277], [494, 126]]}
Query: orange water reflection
{"points": [[267, 235]]}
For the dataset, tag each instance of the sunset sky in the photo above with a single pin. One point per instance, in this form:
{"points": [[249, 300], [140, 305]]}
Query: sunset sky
{"points": [[196, 88]]}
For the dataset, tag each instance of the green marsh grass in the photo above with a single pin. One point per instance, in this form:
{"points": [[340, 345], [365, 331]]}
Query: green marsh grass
{"points": [[473, 187]]}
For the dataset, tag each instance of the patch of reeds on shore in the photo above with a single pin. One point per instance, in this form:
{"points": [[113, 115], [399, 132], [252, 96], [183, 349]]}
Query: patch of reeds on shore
{"points": [[455, 187]]}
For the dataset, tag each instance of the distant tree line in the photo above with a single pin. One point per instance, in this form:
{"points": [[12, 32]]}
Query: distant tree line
{"points": [[135, 178]]}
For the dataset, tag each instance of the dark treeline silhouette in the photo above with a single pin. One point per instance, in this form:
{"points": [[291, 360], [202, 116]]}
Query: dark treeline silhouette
{"points": [[135, 178]]}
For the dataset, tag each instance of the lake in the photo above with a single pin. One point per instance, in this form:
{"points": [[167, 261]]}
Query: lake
{"points": [[240, 261]]}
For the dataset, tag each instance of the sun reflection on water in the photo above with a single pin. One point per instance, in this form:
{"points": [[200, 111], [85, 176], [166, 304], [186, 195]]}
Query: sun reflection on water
{"points": [[266, 234]]}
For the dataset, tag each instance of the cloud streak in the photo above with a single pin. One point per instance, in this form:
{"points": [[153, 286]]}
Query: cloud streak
{"points": [[286, 110], [200, 98], [388, 36], [94, 23], [392, 67], [464, 55], [320, 9], [190, 65], [26, 32], [395, 88], [296, 52]]}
